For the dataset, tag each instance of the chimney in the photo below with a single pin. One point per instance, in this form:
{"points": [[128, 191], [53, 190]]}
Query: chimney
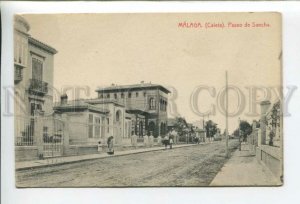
{"points": [[64, 99]]}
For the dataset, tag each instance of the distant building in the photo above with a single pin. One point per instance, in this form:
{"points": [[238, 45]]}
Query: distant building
{"points": [[171, 123], [145, 106], [199, 124]]}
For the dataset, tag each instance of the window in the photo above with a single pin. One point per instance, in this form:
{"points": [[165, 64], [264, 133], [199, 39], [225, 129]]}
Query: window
{"points": [[145, 94], [152, 104], [37, 69], [122, 95], [129, 95], [45, 134], [34, 106], [116, 96], [100, 95], [118, 115], [137, 94], [107, 121], [108, 96], [20, 50], [97, 127], [90, 124], [165, 105], [18, 72]]}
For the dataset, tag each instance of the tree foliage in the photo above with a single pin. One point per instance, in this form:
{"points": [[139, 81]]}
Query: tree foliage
{"points": [[236, 133], [211, 128], [180, 125], [245, 129]]}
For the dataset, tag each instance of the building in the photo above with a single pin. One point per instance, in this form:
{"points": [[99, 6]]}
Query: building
{"points": [[145, 107], [171, 124], [118, 111], [33, 79]]}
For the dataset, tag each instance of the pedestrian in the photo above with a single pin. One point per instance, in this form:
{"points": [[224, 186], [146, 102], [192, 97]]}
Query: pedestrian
{"points": [[166, 141], [174, 134], [171, 141], [99, 147], [110, 145]]}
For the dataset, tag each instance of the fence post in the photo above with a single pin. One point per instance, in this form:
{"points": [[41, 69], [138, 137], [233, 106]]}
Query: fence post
{"points": [[38, 133], [66, 136]]}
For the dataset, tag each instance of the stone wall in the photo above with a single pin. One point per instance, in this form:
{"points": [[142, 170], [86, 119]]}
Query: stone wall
{"points": [[26, 153], [271, 157], [268, 154]]}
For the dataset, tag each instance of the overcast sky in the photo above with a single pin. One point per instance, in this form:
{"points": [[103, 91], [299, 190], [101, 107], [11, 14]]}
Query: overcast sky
{"points": [[97, 50]]}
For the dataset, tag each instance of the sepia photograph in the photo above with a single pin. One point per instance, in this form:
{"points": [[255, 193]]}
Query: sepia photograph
{"points": [[148, 99]]}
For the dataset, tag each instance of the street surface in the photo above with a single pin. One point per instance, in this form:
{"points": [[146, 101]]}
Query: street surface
{"points": [[188, 166]]}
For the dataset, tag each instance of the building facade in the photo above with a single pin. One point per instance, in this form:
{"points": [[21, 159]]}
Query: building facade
{"points": [[145, 107], [33, 79]]}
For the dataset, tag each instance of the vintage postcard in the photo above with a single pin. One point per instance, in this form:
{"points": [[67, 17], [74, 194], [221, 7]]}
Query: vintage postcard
{"points": [[148, 99]]}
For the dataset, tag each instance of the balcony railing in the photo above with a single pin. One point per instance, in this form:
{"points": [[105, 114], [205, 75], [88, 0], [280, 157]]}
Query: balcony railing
{"points": [[38, 87], [18, 73]]}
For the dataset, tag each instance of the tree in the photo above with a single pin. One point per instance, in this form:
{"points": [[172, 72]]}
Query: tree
{"points": [[236, 133], [245, 129], [180, 125], [211, 128]]}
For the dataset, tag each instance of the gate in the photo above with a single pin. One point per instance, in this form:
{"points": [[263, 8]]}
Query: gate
{"points": [[24, 130], [53, 136]]}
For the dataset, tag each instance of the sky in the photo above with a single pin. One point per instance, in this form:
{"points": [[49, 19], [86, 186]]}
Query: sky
{"points": [[96, 50]]}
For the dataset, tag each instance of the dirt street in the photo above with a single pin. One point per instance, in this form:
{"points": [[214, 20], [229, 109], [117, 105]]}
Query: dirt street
{"points": [[188, 166]]}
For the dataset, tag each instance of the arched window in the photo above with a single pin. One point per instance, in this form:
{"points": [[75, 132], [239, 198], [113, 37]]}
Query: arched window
{"points": [[118, 115], [152, 104]]}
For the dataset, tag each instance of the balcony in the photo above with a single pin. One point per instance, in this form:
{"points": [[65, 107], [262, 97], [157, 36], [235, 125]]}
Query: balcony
{"points": [[18, 73], [38, 87]]}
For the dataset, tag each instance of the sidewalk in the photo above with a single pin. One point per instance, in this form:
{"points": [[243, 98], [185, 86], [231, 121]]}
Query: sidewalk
{"points": [[243, 169], [72, 159]]}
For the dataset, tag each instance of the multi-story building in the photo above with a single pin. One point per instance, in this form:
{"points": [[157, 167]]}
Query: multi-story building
{"points": [[118, 111], [33, 78], [145, 106]]}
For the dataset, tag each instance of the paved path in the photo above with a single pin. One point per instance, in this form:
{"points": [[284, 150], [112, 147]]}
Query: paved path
{"points": [[195, 165], [243, 169]]}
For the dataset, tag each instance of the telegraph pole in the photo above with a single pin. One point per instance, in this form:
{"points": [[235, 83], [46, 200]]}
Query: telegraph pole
{"points": [[226, 132]]}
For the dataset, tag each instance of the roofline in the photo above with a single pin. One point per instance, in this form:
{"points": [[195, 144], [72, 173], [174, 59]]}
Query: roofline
{"points": [[79, 107], [41, 45], [120, 88], [104, 101], [132, 111]]}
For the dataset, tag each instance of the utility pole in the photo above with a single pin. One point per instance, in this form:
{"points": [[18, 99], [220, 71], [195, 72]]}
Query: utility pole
{"points": [[240, 146], [226, 132]]}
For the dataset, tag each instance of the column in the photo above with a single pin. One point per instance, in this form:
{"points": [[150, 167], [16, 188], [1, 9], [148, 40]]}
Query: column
{"points": [[66, 136], [38, 133], [265, 105]]}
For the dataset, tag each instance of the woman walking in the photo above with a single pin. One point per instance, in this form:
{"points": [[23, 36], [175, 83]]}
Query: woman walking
{"points": [[110, 145]]}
